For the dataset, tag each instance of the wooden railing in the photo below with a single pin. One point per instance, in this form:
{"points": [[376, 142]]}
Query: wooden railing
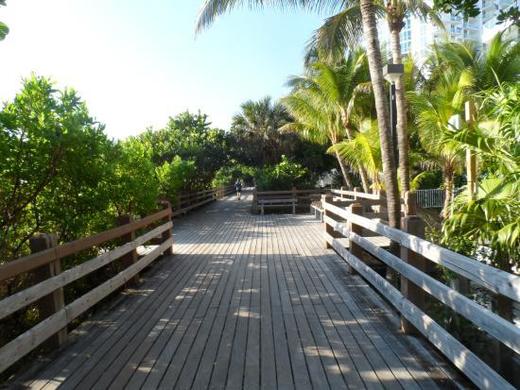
{"points": [[303, 197], [44, 265], [349, 222], [189, 201]]}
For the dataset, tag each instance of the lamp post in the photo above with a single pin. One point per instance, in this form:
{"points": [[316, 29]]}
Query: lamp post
{"points": [[392, 72]]}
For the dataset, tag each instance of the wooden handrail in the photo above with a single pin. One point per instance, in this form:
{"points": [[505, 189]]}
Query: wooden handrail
{"points": [[357, 194], [495, 280], [61, 315], [193, 200], [340, 222], [31, 262]]}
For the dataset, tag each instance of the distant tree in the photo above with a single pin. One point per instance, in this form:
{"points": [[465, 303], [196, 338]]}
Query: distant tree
{"points": [[260, 121], [191, 137]]}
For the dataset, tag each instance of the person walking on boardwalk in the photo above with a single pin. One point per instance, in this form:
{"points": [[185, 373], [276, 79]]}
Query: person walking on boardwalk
{"points": [[238, 188]]}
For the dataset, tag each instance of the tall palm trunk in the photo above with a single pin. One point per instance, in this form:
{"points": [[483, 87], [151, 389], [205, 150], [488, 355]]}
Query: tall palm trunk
{"points": [[376, 75], [364, 180], [448, 175], [344, 171], [400, 102]]}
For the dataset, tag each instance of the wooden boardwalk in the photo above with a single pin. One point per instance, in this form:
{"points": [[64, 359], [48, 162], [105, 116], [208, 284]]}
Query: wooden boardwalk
{"points": [[247, 302]]}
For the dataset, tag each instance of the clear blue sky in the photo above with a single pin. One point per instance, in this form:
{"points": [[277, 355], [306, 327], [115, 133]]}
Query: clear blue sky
{"points": [[138, 62]]}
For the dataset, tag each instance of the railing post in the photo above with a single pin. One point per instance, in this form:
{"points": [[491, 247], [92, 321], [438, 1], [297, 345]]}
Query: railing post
{"points": [[167, 233], [255, 201], [55, 301], [131, 257], [356, 190], [178, 202], [342, 189], [355, 249], [295, 199], [329, 230], [412, 224]]}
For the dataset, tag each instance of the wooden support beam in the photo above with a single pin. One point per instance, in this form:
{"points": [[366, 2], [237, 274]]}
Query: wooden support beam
{"points": [[55, 301], [412, 224], [355, 249], [329, 230], [167, 234], [130, 258]]}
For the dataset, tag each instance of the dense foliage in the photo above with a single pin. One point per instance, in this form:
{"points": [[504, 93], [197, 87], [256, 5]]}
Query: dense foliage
{"points": [[284, 176], [60, 173]]}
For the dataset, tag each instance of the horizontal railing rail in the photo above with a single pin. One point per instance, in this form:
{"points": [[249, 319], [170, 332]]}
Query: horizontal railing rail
{"points": [[301, 197], [189, 201], [47, 292], [341, 222]]}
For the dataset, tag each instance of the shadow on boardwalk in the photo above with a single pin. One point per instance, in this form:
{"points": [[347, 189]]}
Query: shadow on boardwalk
{"points": [[246, 302]]}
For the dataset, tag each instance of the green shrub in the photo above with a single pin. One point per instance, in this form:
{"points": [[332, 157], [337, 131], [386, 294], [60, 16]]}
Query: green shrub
{"points": [[283, 176], [229, 173], [174, 177]]}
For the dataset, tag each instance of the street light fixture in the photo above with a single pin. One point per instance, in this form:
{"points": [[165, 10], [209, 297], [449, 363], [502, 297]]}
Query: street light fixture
{"points": [[391, 73]]}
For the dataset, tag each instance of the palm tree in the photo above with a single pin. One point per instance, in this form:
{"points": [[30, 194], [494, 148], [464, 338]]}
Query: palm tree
{"points": [[434, 110], [340, 87], [499, 63], [261, 120], [339, 32], [363, 151], [375, 63], [367, 10], [316, 120]]}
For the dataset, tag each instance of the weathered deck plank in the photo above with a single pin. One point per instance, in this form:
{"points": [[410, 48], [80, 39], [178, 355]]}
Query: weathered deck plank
{"points": [[246, 302]]}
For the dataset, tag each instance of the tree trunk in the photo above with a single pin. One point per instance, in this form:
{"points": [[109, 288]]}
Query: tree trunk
{"points": [[364, 180], [376, 75], [400, 102], [448, 175], [344, 171]]}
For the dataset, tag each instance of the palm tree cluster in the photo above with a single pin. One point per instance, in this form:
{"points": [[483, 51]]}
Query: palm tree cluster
{"points": [[341, 101]]}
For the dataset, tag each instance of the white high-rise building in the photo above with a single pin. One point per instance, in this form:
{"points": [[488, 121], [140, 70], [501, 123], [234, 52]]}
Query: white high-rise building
{"points": [[417, 36]]}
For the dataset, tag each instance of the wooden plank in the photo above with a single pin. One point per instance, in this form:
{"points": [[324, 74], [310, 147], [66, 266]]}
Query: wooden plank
{"points": [[25, 297], [327, 315], [474, 368], [396, 363], [323, 312], [237, 361], [266, 339], [152, 356], [73, 365], [98, 331], [111, 340], [192, 362], [221, 365], [253, 344], [180, 358], [210, 357], [317, 373], [489, 277], [135, 330]]}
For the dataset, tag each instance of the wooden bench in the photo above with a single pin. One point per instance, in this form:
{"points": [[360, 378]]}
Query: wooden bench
{"points": [[278, 202]]}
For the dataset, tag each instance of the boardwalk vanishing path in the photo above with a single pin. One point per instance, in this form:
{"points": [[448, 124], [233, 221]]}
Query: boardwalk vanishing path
{"points": [[247, 301]]}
